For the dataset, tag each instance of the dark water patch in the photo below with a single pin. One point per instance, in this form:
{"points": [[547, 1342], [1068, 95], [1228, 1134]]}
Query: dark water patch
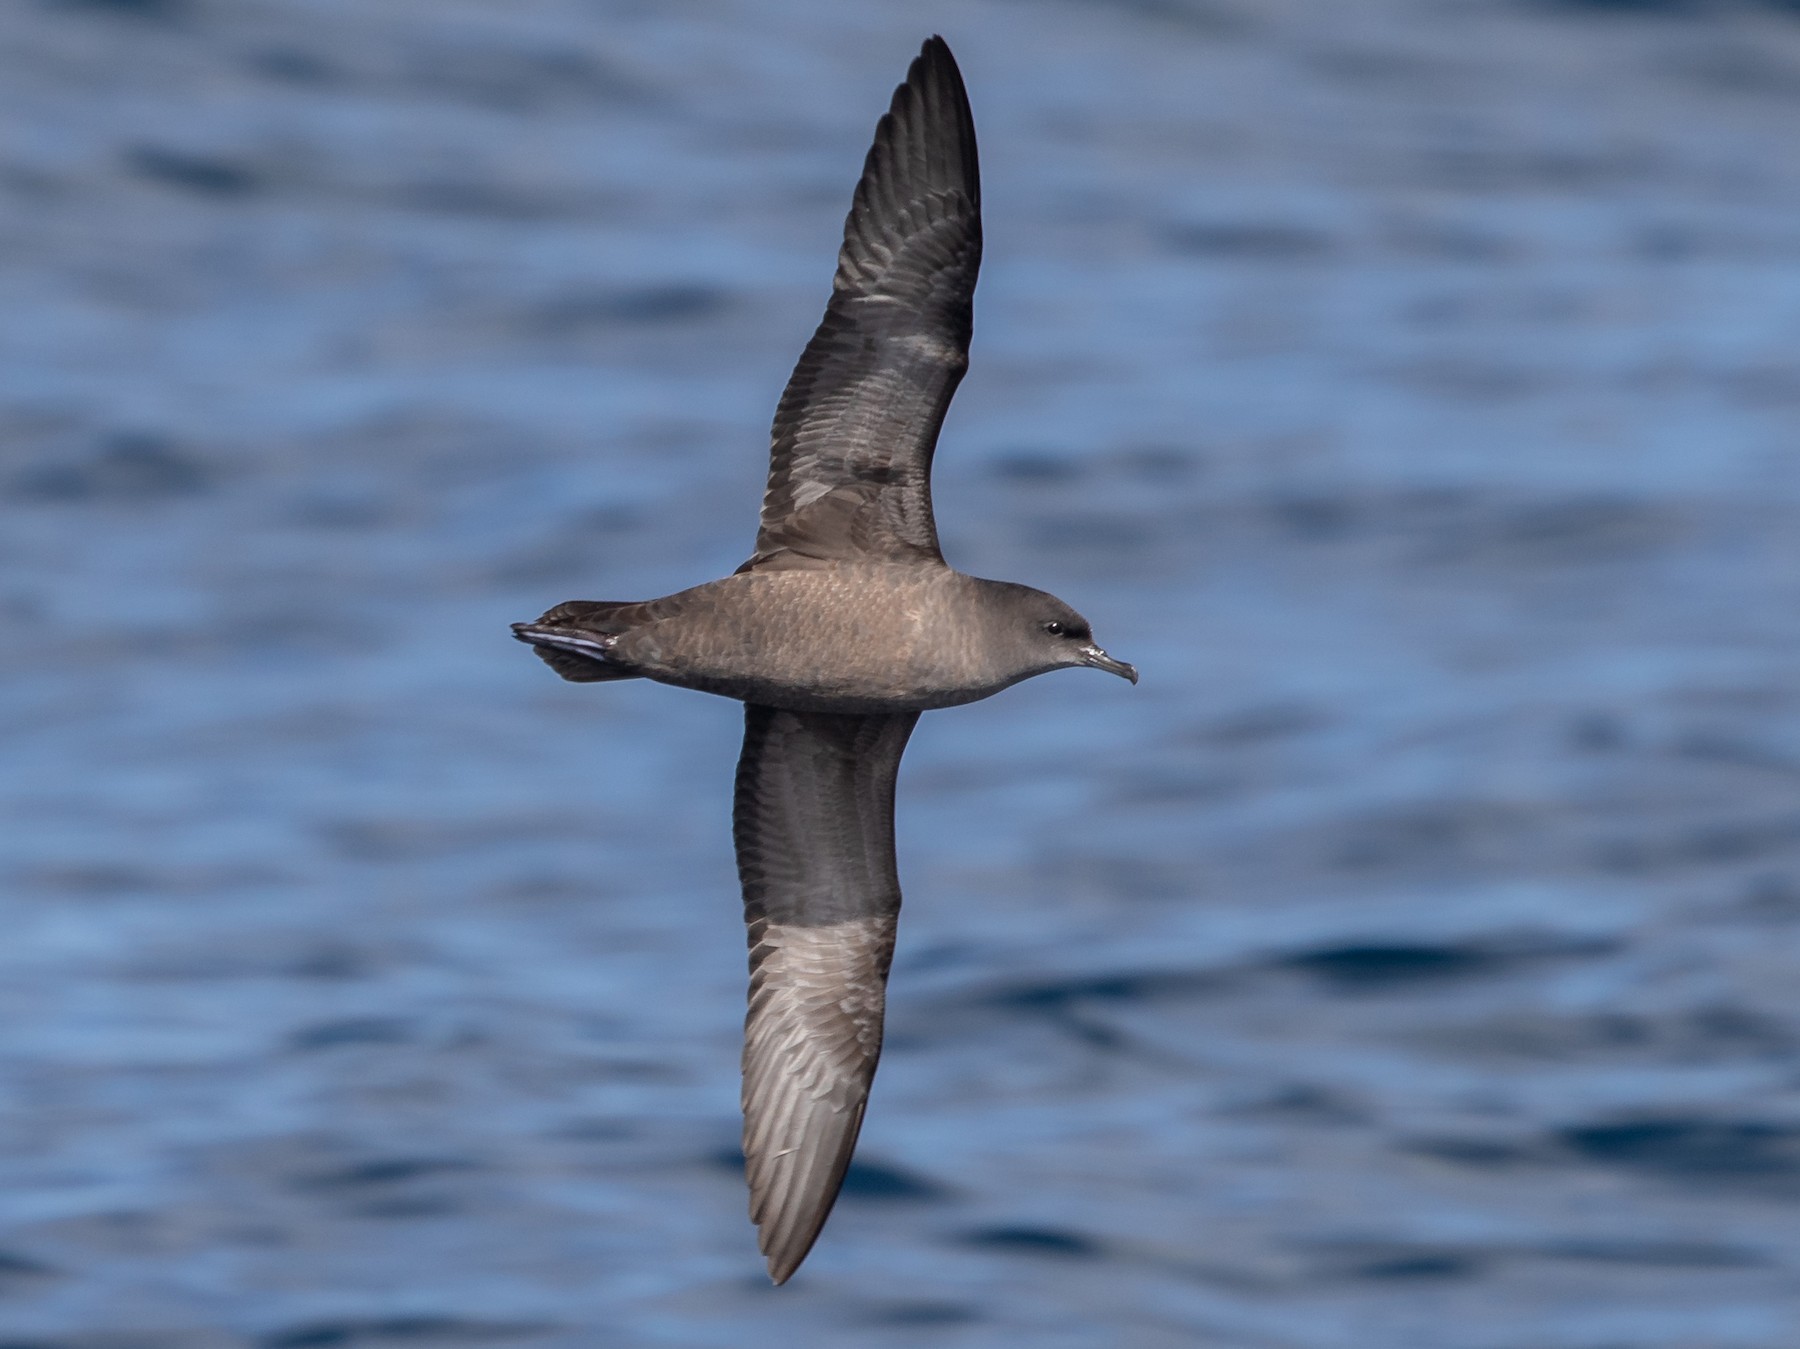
{"points": [[1575, 530], [1691, 1148], [353, 1031], [191, 1339], [130, 1233], [1727, 1029], [1391, 1261], [1054, 1242], [322, 959], [266, 635], [517, 78], [1765, 386], [340, 511], [1073, 1005], [1596, 732], [1420, 1265], [1209, 17], [422, 1330], [599, 1131], [1621, 8], [633, 1070], [388, 1189], [1373, 965], [128, 466], [1722, 843], [877, 1181], [105, 880], [1097, 1034], [1438, 836], [18, 1271], [1158, 463], [404, 840], [383, 1171], [100, 878], [162, 10], [1382, 965], [1060, 995], [1300, 1102], [326, 962], [1649, 1253], [923, 1314], [1406, 835], [1132, 878], [1246, 240], [1474, 380], [1035, 467], [929, 956], [1740, 751], [1666, 243], [1433, 311], [478, 198], [1497, 167], [1480, 1153], [667, 302], [866, 1180], [1722, 1033], [1165, 787], [1313, 517], [1773, 898], [189, 171], [293, 65], [21, 184], [1434, 504], [407, 1208], [1262, 723], [1449, 241]]}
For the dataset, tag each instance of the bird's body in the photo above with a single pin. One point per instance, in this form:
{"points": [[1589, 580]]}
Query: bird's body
{"points": [[852, 637], [841, 629]]}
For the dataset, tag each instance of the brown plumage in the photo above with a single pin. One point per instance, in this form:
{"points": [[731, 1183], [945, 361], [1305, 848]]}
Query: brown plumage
{"points": [[850, 464], [842, 627], [814, 827]]}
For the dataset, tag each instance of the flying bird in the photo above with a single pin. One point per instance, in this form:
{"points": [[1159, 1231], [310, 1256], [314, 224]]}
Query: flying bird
{"points": [[845, 624]]}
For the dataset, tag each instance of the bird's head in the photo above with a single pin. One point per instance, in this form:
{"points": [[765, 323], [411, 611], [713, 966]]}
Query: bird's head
{"points": [[1049, 635]]}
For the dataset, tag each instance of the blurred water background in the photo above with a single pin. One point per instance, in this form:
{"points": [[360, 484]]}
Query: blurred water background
{"points": [[1408, 386]]}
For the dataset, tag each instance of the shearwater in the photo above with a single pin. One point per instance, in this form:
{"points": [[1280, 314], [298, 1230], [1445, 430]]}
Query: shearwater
{"points": [[841, 629]]}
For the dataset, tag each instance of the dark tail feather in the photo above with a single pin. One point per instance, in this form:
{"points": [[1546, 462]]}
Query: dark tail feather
{"points": [[603, 616], [599, 618], [580, 669]]}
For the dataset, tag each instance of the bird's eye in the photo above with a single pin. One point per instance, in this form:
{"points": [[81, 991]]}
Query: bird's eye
{"points": [[1054, 628]]}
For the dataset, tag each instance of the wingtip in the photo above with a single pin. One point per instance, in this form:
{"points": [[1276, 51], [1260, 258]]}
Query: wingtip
{"points": [[934, 51], [782, 1253], [786, 1243]]}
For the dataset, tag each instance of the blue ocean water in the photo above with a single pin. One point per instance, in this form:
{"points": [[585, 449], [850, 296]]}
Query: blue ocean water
{"points": [[1409, 388]]}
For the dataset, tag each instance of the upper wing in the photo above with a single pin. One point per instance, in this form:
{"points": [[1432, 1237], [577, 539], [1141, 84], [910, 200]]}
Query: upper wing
{"points": [[814, 826], [850, 462]]}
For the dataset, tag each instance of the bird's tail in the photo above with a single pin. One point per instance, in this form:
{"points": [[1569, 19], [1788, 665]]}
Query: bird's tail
{"points": [[575, 638]]}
